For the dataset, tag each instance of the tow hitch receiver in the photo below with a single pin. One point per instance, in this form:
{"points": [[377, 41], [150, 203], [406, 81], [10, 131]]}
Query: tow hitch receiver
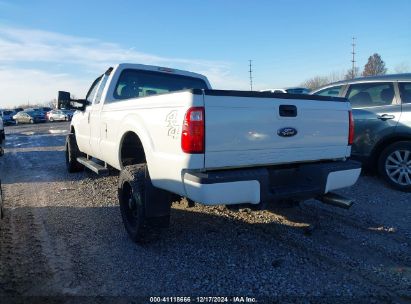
{"points": [[336, 200]]}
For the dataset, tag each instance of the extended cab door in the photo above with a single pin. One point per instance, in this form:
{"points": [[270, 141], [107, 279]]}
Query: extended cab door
{"points": [[83, 125], [376, 111], [97, 129]]}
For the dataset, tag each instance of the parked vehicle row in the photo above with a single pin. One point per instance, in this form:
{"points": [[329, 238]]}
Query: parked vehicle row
{"points": [[29, 117], [382, 114], [35, 115]]}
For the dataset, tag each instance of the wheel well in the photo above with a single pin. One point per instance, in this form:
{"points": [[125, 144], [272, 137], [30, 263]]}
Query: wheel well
{"points": [[376, 152], [131, 151]]}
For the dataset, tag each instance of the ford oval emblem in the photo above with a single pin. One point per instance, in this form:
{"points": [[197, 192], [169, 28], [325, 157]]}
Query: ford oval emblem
{"points": [[287, 132]]}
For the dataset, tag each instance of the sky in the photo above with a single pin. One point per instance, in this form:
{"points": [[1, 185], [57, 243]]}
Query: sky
{"points": [[46, 46]]}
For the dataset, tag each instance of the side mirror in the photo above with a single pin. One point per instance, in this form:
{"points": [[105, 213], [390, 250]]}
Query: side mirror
{"points": [[64, 101], [78, 104]]}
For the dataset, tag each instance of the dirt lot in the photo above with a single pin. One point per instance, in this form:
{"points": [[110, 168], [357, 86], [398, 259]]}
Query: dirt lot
{"points": [[62, 237]]}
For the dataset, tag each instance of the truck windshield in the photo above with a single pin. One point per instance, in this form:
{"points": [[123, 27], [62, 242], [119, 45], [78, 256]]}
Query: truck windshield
{"points": [[138, 83]]}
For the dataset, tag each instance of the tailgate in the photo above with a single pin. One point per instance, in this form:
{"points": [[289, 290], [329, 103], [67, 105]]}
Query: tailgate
{"points": [[249, 129]]}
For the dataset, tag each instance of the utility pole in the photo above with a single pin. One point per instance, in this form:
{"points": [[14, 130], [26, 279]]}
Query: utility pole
{"points": [[251, 76], [353, 58]]}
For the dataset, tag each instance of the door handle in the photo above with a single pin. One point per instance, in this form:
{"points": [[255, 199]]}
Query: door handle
{"points": [[385, 117], [288, 110]]}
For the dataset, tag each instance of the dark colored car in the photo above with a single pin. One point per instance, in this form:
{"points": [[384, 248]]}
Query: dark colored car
{"points": [[382, 115], [7, 116], [29, 117]]}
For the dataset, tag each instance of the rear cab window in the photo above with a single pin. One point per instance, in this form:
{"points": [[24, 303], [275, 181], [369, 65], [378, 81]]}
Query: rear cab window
{"points": [[363, 95], [138, 83]]}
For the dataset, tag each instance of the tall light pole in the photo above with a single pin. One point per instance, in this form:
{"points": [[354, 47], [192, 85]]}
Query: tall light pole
{"points": [[251, 76], [353, 58]]}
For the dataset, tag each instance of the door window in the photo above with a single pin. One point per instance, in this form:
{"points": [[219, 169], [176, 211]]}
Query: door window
{"points": [[333, 91], [371, 94], [405, 91], [93, 89], [100, 89]]}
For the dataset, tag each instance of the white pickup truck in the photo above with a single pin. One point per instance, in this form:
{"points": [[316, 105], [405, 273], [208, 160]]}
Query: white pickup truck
{"points": [[171, 135]]}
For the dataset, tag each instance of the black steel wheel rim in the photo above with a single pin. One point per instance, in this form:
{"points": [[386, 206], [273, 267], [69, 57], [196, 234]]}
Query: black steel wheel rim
{"points": [[131, 201]]}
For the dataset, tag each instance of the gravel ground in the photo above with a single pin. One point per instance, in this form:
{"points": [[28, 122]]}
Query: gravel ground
{"points": [[62, 238]]}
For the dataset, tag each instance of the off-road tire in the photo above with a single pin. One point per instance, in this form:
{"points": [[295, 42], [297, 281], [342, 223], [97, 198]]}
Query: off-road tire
{"points": [[131, 196], [387, 162], [72, 152]]}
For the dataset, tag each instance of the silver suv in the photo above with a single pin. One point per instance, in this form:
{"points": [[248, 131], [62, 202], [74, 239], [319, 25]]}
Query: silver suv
{"points": [[382, 115]]}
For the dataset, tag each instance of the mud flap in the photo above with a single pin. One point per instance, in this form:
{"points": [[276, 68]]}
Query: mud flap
{"points": [[157, 204]]}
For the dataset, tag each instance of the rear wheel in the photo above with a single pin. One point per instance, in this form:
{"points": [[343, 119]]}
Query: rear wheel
{"points": [[131, 197], [135, 194], [394, 165], [72, 152]]}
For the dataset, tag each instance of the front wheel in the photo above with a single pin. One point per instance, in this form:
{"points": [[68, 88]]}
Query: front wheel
{"points": [[72, 152], [394, 165]]}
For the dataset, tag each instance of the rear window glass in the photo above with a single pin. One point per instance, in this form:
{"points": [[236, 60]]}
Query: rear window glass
{"points": [[371, 94], [137, 83], [405, 91], [333, 91]]}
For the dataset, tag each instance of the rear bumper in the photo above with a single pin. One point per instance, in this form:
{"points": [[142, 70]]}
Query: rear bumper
{"points": [[263, 185]]}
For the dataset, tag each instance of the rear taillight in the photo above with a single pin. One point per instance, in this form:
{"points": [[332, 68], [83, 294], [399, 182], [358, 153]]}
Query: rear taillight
{"points": [[193, 133], [351, 129]]}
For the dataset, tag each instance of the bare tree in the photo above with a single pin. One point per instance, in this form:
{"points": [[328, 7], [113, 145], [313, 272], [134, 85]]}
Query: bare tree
{"points": [[336, 76], [351, 74], [374, 66], [315, 82], [402, 67], [319, 81]]}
